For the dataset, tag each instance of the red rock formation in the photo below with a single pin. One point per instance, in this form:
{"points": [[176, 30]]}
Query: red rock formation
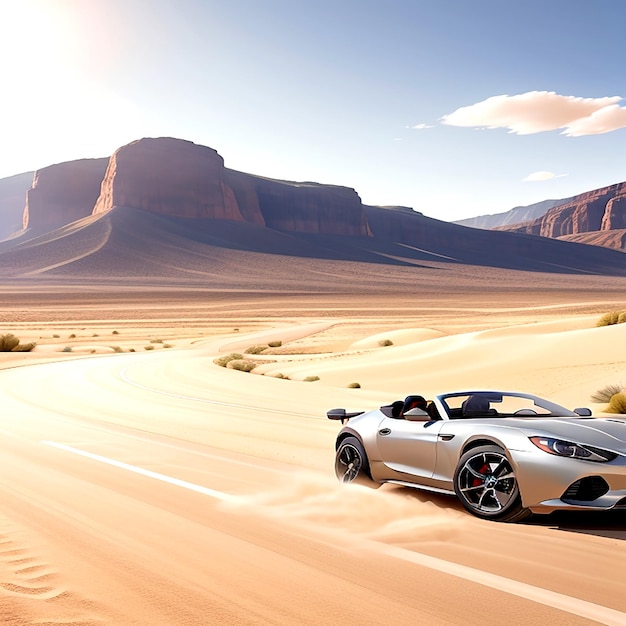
{"points": [[181, 179], [63, 193], [170, 177], [598, 210], [614, 217]]}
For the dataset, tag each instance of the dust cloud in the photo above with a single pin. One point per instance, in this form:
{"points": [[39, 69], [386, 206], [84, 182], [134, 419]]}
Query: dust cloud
{"points": [[388, 514]]}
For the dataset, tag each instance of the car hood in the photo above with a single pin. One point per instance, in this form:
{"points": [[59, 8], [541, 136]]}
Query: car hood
{"points": [[602, 432]]}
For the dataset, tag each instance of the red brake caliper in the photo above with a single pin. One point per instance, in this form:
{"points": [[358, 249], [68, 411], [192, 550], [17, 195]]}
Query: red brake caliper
{"points": [[483, 470]]}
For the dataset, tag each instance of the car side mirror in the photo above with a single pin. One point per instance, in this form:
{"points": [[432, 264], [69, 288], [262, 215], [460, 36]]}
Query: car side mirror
{"points": [[583, 412], [417, 415]]}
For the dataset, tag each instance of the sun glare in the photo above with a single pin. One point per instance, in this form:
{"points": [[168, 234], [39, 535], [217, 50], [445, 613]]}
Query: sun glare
{"points": [[34, 38], [54, 104]]}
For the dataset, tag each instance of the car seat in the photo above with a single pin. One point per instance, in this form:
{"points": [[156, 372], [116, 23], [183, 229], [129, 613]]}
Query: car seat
{"points": [[433, 411], [396, 409], [476, 406], [412, 402]]}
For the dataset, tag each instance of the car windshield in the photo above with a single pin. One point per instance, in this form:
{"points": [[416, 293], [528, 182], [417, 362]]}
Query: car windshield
{"points": [[478, 404]]}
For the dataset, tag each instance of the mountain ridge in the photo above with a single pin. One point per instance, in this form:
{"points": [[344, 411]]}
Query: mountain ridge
{"points": [[170, 208], [516, 215]]}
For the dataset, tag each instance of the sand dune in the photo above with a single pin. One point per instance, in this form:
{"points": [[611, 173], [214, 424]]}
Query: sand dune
{"points": [[559, 360], [87, 542], [252, 528]]}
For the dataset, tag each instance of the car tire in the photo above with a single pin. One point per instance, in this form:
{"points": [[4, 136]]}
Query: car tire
{"points": [[486, 485], [351, 464]]}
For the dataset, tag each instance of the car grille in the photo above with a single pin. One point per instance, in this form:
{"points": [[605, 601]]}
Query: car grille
{"points": [[586, 489]]}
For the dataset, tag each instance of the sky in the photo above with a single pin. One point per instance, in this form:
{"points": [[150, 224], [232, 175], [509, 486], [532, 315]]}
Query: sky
{"points": [[456, 108]]}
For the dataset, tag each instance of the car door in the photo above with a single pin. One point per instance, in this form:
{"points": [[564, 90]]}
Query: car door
{"points": [[408, 447]]}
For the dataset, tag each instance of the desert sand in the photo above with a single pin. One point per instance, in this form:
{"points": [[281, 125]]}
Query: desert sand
{"points": [[144, 484]]}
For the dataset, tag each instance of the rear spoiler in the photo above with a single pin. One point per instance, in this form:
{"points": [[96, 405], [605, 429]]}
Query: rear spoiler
{"points": [[340, 414]]}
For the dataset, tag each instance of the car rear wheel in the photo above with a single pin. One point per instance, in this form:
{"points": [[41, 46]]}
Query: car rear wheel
{"points": [[351, 464], [486, 484]]}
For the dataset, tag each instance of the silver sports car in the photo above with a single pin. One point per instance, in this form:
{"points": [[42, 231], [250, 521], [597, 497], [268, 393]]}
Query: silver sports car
{"points": [[506, 455]]}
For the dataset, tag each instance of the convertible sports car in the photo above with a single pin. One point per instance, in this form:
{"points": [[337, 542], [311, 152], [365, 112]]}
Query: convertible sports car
{"points": [[506, 455]]}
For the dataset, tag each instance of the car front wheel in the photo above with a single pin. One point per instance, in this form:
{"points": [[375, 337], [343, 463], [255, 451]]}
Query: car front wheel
{"points": [[486, 484], [351, 464]]}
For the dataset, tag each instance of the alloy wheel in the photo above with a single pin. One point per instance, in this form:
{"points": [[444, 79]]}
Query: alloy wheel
{"points": [[487, 483]]}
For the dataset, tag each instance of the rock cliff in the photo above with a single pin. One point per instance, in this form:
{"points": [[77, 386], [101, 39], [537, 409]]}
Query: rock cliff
{"points": [[246, 196], [63, 193], [614, 217], [12, 198], [170, 177], [310, 207], [599, 210], [181, 179]]}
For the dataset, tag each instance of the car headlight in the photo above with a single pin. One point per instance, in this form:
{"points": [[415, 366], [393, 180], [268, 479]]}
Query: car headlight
{"points": [[559, 447]]}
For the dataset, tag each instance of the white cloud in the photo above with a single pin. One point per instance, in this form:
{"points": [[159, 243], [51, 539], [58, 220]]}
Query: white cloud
{"points": [[420, 126], [541, 175], [541, 111], [604, 120]]}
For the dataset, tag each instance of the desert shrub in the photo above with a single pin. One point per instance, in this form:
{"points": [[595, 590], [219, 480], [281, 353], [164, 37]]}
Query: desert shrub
{"points": [[255, 349], [156, 340], [72, 336], [11, 343], [167, 345], [148, 347], [612, 317], [95, 335], [116, 349], [311, 379], [67, 349], [24, 347], [606, 393], [622, 318], [115, 332], [354, 386], [223, 361], [275, 344], [56, 336], [385, 342], [617, 404], [8, 342], [132, 350], [242, 365]]}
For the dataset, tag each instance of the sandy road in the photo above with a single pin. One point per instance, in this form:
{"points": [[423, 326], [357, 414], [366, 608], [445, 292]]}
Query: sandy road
{"points": [[156, 489]]}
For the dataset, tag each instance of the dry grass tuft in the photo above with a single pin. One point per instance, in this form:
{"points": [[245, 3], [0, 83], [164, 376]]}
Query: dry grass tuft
{"points": [[617, 404]]}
